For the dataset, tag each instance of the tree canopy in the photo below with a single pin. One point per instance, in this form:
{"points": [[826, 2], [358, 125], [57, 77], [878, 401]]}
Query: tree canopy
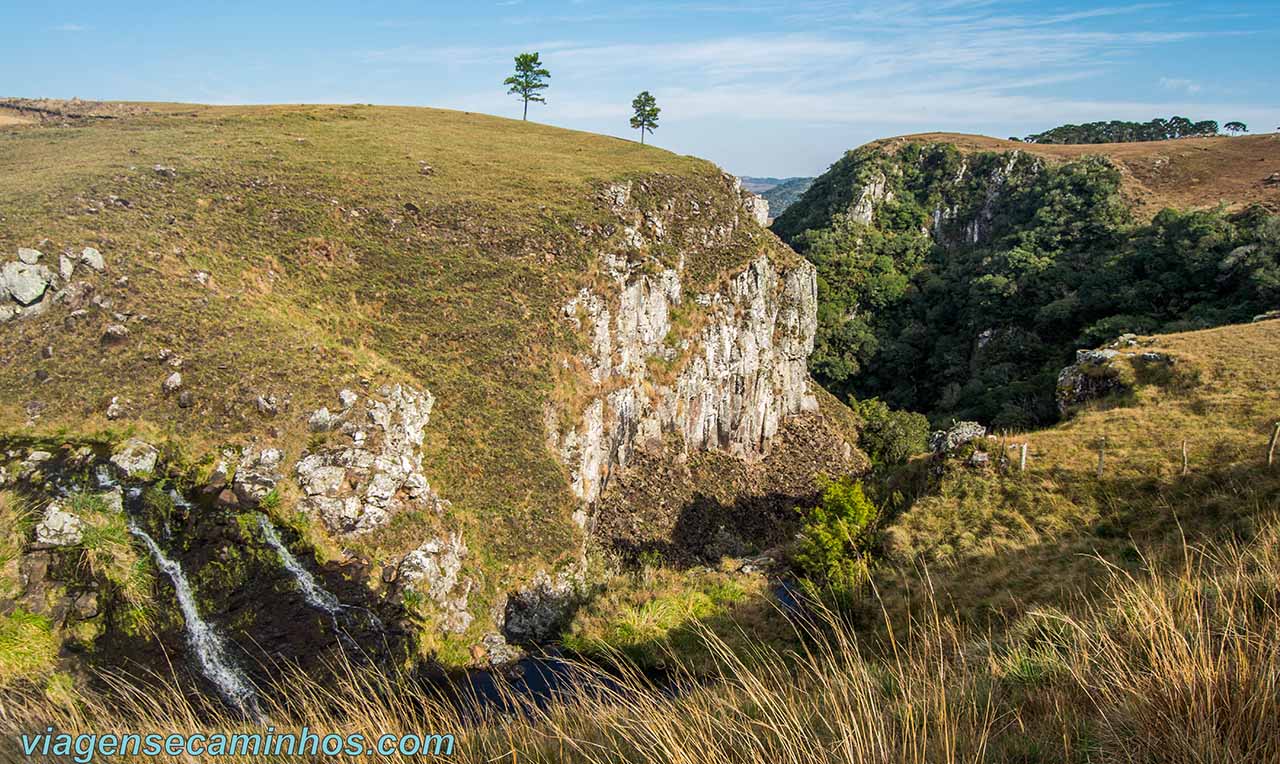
{"points": [[529, 80], [1117, 131], [644, 113], [968, 291]]}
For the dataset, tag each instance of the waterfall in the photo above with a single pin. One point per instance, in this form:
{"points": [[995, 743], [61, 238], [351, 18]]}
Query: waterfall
{"points": [[315, 595], [209, 647]]}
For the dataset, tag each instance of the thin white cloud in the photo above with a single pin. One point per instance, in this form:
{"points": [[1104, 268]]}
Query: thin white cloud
{"points": [[71, 28], [1183, 85]]}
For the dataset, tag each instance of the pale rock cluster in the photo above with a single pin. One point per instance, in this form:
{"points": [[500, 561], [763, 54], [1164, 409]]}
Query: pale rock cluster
{"points": [[26, 282], [375, 470], [434, 570]]}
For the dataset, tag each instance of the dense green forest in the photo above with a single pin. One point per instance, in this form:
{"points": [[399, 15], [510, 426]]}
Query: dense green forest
{"points": [[959, 285], [1117, 131]]}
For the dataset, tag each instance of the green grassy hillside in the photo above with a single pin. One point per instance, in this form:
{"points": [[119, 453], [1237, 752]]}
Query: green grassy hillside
{"points": [[997, 542], [294, 251]]}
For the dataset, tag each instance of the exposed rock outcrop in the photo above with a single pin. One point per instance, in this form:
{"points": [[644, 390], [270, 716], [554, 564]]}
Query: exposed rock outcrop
{"points": [[740, 374], [540, 611], [58, 527], [256, 475], [958, 434], [135, 457], [434, 570], [28, 286], [375, 471], [1096, 373]]}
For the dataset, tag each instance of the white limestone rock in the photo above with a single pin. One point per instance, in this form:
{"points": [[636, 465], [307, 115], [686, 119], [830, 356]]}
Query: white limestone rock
{"points": [[135, 457], [358, 485], [93, 259], [434, 570], [746, 370], [58, 527]]}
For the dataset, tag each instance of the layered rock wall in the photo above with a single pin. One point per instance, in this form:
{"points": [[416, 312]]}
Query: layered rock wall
{"points": [[738, 353]]}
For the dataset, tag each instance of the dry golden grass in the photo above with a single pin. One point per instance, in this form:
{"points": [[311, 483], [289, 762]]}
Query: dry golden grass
{"points": [[1000, 542], [1175, 664]]}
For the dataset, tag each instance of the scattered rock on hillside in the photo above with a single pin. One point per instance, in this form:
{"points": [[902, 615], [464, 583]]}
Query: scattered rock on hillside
{"points": [[135, 457], [1270, 315], [267, 405], [59, 527], [347, 399], [320, 420], [358, 485], [434, 570], [165, 172], [93, 259], [115, 333], [171, 384], [29, 256], [958, 434], [114, 409], [25, 282], [186, 399]]}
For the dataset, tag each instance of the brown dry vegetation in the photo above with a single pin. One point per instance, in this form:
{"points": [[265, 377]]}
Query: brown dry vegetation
{"points": [[1175, 664]]}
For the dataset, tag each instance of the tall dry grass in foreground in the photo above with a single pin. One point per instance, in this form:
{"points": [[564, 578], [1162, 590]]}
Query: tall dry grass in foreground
{"points": [[1174, 666]]}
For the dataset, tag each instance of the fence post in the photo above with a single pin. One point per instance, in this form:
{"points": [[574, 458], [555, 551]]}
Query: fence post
{"points": [[1022, 458], [1102, 454], [1185, 468], [1271, 449]]}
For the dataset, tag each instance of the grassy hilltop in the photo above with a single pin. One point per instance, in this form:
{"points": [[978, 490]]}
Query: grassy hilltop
{"points": [[293, 251]]}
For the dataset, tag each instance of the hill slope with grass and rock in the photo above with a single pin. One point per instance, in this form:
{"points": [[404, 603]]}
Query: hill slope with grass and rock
{"points": [[432, 348], [958, 274]]}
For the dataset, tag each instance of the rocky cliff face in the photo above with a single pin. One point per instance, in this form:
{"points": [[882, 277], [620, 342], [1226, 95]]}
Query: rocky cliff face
{"points": [[717, 369]]}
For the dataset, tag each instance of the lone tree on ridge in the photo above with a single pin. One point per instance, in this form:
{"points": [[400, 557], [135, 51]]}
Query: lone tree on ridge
{"points": [[529, 80], [1235, 128], [645, 117]]}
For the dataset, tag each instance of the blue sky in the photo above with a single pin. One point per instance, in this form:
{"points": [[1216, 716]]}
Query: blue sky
{"points": [[760, 87]]}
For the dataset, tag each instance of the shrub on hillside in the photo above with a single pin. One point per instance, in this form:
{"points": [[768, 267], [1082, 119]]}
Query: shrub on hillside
{"points": [[832, 540], [890, 436]]}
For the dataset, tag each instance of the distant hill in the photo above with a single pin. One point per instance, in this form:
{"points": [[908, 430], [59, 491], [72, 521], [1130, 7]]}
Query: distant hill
{"points": [[975, 267], [760, 185], [785, 194]]}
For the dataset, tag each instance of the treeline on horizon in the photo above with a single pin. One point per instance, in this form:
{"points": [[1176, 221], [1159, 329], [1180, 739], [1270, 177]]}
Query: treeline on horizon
{"points": [[1119, 131]]}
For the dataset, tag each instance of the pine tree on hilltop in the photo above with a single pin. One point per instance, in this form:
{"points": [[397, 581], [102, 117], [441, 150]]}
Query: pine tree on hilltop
{"points": [[645, 117], [528, 81]]}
